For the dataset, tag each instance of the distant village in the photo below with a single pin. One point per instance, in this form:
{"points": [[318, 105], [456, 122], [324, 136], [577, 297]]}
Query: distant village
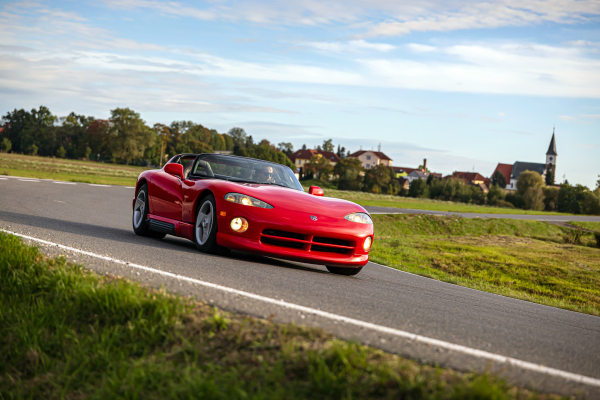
{"points": [[504, 175]]}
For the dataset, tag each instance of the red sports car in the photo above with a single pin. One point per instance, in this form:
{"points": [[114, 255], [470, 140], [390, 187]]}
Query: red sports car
{"points": [[223, 202]]}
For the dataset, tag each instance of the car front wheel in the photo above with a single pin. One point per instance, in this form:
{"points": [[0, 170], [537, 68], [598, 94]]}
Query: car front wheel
{"points": [[205, 230], [344, 270]]}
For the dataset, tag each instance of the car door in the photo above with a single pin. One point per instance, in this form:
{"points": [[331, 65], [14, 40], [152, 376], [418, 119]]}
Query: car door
{"points": [[166, 193]]}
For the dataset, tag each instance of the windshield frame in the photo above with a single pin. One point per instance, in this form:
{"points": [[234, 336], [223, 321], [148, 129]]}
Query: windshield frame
{"points": [[204, 156]]}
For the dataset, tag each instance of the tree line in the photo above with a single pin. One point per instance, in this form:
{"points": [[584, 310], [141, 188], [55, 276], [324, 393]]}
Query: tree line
{"points": [[124, 138], [533, 192]]}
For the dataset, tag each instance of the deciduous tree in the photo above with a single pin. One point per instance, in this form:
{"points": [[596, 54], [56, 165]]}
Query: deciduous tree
{"points": [[498, 179], [129, 134]]}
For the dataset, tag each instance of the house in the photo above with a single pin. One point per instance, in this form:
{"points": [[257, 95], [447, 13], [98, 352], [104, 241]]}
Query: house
{"points": [[512, 172], [400, 172], [370, 158], [417, 174], [301, 157], [469, 177]]}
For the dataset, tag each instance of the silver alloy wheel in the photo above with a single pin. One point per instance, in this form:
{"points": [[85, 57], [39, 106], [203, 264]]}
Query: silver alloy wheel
{"points": [[204, 222], [138, 208]]}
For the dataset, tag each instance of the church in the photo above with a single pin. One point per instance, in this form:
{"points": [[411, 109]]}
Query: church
{"points": [[512, 172]]}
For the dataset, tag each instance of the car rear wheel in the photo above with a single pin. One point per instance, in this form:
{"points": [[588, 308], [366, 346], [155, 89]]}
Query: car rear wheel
{"points": [[344, 270], [205, 230], [140, 215]]}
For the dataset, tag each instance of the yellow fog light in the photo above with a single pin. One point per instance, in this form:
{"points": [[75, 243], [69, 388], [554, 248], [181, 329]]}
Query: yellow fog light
{"points": [[367, 244], [239, 224]]}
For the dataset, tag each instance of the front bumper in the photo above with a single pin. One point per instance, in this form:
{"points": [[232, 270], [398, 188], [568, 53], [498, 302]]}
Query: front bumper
{"points": [[236, 242], [293, 235]]}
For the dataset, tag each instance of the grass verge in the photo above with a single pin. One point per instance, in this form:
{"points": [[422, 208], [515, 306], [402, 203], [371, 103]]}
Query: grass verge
{"points": [[68, 170], [68, 333], [528, 260]]}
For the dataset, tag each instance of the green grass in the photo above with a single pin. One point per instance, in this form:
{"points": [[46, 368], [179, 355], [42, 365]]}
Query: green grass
{"points": [[386, 200], [317, 182], [592, 226], [68, 170], [69, 333], [527, 260]]}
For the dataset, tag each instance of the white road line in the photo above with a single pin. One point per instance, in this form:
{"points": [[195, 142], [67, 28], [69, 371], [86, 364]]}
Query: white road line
{"points": [[3, 179], [96, 184], [403, 334], [28, 180], [65, 183]]}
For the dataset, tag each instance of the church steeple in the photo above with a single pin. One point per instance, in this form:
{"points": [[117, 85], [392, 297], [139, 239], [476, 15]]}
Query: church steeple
{"points": [[550, 171], [552, 147]]}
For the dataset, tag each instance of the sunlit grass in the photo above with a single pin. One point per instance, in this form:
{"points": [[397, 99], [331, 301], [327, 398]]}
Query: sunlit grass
{"points": [[522, 259], [68, 170]]}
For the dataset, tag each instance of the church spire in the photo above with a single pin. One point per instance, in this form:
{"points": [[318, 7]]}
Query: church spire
{"points": [[552, 147]]}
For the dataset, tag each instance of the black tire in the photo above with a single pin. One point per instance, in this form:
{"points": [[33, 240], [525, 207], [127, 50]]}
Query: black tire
{"points": [[344, 270], [140, 215], [205, 227]]}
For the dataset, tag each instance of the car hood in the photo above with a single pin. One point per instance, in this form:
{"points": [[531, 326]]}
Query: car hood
{"points": [[295, 200]]}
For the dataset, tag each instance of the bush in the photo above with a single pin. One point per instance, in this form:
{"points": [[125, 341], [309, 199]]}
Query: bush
{"points": [[529, 179], [418, 188], [515, 199], [5, 145], [495, 195], [573, 236], [550, 198], [578, 199], [61, 152], [503, 204], [534, 199]]}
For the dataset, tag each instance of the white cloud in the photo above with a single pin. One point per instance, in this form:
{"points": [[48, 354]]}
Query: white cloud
{"points": [[566, 117], [382, 17], [501, 114], [531, 69], [421, 48], [449, 16], [352, 46], [597, 116]]}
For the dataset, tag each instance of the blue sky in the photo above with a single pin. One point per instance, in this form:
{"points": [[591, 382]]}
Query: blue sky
{"points": [[465, 84]]}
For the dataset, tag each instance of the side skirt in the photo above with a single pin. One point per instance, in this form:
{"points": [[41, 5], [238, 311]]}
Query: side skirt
{"points": [[171, 226]]}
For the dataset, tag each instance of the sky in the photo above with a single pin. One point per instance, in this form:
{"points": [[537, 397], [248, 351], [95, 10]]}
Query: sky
{"points": [[464, 84]]}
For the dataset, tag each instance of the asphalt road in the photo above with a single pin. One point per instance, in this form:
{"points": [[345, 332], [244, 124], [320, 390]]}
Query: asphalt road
{"points": [[97, 219]]}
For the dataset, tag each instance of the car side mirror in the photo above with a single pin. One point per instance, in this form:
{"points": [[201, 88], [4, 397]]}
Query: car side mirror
{"points": [[315, 191], [174, 169]]}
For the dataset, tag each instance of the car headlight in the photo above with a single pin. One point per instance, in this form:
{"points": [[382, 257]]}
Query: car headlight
{"points": [[362, 218], [246, 200]]}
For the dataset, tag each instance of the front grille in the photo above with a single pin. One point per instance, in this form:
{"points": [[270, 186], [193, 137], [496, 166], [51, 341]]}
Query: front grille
{"points": [[292, 240], [289, 235], [282, 243], [325, 249], [326, 240]]}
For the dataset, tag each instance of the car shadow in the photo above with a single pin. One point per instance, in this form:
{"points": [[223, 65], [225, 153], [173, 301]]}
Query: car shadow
{"points": [[128, 236]]}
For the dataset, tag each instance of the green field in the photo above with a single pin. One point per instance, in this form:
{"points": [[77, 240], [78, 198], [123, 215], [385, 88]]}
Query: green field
{"points": [[386, 200], [68, 170], [527, 260], [592, 226], [68, 333]]}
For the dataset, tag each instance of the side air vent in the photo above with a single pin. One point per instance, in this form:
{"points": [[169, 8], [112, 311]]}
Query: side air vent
{"points": [[162, 227]]}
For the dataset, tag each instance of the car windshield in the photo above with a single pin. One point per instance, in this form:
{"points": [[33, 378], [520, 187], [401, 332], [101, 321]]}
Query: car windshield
{"points": [[239, 169]]}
